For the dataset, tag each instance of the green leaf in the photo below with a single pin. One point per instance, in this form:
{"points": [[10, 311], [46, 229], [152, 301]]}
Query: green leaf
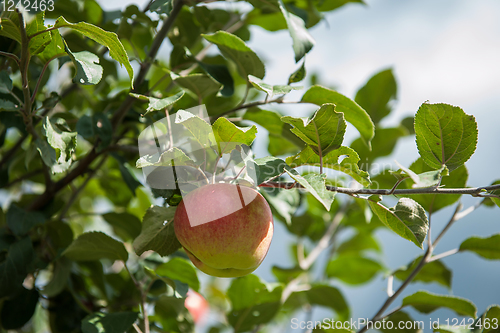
{"points": [[353, 269], [38, 43], [54, 48], [495, 200], [330, 297], [106, 38], [281, 139], [95, 125], [117, 322], [9, 27], [125, 225], [252, 302], [60, 276], [316, 185], [95, 245], [88, 70], [489, 322], [298, 75], [129, 179], [156, 103], [456, 179], [446, 135], [358, 243], [21, 221], [6, 105], [181, 270], [399, 319], [302, 40], [199, 128], [18, 311], [407, 219], [267, 168], [221, 74], [425, 179], [234, 49], [200, 84], [59, 142], [451, 329], [5, 82], [284, 202], [157, 232], [15, 267], [348, 165], [434, 271], [171, 157], [383, 144], [269, 89], [353, 113], [426, 302], [229, 136], [285, 275], [377, 94], [488, 248], [324, 132]]}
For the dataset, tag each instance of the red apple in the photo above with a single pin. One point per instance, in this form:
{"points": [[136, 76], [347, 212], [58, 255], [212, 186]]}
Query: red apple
{"points": [[226, 229], [196, 305]]}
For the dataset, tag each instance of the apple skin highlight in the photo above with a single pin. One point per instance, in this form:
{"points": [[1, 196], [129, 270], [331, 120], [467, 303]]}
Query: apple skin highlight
{"points": [[235, 231]]}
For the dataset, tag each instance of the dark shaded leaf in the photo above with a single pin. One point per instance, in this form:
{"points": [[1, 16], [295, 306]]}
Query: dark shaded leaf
{"points": [[157, 232], [21, 221], [94, 246], [234, 49], [117, 322], [18, 310]]}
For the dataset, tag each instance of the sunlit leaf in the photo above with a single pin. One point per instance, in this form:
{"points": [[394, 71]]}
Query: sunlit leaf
{"points": [[446, 135], [426, 302], [407, 219], [353, 113], [488, 248], [324, 132]]}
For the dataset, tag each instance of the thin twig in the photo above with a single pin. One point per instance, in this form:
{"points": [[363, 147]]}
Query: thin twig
{"points": [[33, 96], [324, 242], [448, 225], [443, 255], [424, 190], [10, 55], [23, 177], [379, 315]]}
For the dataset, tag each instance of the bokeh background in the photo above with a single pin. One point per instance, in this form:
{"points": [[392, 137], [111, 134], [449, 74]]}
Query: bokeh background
{"points": [[440, 51], [445, 51]]}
